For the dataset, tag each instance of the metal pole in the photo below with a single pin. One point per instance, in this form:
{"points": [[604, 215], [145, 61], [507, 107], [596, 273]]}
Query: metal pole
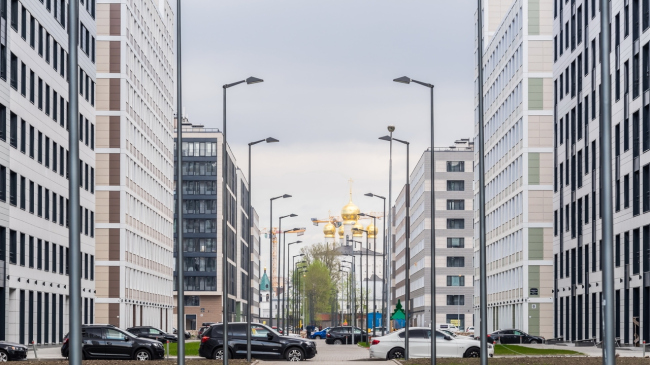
{"points": [[374, 269], [609, 356], [271, 264], [250, 262], [365, 324], [278, 287], [389, 243], [433, 243], [407, 295], [284, 262], [384, 305], [224, 228], [74, 240], [180, 274], [481, 195]]}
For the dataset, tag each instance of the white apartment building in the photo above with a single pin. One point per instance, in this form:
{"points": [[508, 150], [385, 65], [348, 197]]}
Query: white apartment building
{"points": [[518, 117], [453, 237], [34, 254], [135, 162], [577, 210]]}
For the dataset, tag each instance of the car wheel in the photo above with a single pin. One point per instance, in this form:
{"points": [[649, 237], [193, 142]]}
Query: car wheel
{"points": [[319, 337], [3, 356], [218, 354], [338, 342], [534, 342], [396, 353], [142, 355], [295, 354], [473, 352]]}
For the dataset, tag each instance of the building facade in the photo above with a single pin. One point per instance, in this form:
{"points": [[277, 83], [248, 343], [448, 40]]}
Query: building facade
{"points": [[34, 218], [453, 237], [202, 217], [135, 169], [518, 117], [577, 211]]}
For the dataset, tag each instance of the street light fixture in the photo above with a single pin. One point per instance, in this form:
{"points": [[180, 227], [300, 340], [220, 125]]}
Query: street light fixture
{"points": [[374, 267], [224, 225], [250, 244], [408, 80], [367, 281], [285, 273], [384, 305], [284, 196]]}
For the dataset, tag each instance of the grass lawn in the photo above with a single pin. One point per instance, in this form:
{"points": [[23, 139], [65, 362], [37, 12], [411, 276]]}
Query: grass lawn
{"points": [[515, 350], [191, 348]]}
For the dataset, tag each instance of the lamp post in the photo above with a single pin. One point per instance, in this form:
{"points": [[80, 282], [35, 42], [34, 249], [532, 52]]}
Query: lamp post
{"points": [[384, 269], [271, 252], [285, 283], [281, 263], [353, 309], [389, 241], [250, 244], [224, 225], [374, 266], [407, 80], [293, 283], [349, 288], [362, 320], [407, 253]]}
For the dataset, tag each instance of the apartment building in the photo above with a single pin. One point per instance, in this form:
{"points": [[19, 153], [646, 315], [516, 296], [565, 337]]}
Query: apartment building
{"points": [[34, 214], [518, 125], [202, 234], [453, 237], [135, 168], [577, 211]]}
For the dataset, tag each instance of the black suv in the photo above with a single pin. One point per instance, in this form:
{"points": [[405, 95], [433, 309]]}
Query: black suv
{"points": [[109, 342], [344, 335], [152, 333], [265, 343], [511, 336]]}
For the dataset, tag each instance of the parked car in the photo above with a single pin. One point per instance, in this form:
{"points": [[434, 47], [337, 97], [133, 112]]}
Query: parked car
{"points": [[320, 334], [513, 336], [187, 333], [266, 343], [345, 335], [152, 333], [278, 330], [447, 326], [204, 327], [105, 341], [454, 335], [470, 329], [392, 345], [12, 351]]}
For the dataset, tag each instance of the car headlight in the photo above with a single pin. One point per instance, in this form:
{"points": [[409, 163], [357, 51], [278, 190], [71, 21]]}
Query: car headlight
{"points": [[13, 347]]}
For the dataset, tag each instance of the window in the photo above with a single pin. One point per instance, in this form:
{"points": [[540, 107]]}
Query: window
{"points": [[13, 189], [39, 204], [23, 79], [455, 185], [32, 86], [13, 247], [31, 141], [456, 280], [39, 254], [455, 166], [646, 188], [192, 301], [13, 130], [455, 242], [31, 197], [14, 14], [455, 300], [455, 223], [456, 204], [3, 183], [14, 71], [23, 189], [455, 261]]}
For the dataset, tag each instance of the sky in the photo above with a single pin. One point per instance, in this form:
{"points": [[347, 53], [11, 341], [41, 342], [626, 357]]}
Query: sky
{"points": [[327, 94]]}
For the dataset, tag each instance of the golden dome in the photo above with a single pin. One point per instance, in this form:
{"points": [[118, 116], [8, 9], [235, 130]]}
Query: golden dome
{"points": [[341, 231], [329, 230], [372, 230], [357, 233], [350, 213]]}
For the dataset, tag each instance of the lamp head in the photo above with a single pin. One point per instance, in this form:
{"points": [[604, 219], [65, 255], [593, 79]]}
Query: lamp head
{"points": [[286, 196], [369, 194], [391, 128], [293, 215], [385, 138], [271, 140], [403, 80], [253, 80]]}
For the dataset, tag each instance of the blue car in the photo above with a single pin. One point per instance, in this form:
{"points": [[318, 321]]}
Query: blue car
{"points": [[320, 334]]}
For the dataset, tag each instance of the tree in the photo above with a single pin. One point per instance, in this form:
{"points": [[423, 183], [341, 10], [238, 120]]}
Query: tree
{"points": [[327, 253]]}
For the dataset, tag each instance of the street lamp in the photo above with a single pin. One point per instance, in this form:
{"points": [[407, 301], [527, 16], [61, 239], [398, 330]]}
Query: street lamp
{"points": [[293, 278], [280, 256], [384, 290], [408, 80], [285, 269], [374, 266], [224, 192], [285, 196], [389, 237], [407, 235], [367, 282], [250, 244]]}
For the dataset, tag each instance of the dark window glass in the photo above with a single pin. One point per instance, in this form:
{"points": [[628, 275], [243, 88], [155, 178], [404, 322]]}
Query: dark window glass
{"points": [[455, 261], [455, 223], [455, 242], [455, 185]]}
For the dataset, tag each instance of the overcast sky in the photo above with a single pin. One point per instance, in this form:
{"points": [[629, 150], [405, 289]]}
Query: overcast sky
{"points": [[328, 93]]}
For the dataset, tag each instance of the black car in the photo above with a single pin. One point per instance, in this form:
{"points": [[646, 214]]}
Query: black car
{"points": [[187, 333], [12, 351], [152, 333], [109, 342], [512, 336], [345, 335], [265, 343], [204, 327]]}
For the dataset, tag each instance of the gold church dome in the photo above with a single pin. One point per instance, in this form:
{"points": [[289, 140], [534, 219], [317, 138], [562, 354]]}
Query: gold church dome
{"points": [[329, 230], [372, 230], [350, 213], [341, 231], [357, 233]]}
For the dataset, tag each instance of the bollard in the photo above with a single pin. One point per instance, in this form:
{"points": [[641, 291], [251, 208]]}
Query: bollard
{"points": [[34, 347], [167, 342], [644, 349]]}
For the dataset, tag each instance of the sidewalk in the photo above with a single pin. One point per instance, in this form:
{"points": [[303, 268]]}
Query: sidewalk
{"points": [[593, 351]]}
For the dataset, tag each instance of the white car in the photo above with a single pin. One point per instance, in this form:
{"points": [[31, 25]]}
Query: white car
{"points": [[470, 329], [391, 346]]}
